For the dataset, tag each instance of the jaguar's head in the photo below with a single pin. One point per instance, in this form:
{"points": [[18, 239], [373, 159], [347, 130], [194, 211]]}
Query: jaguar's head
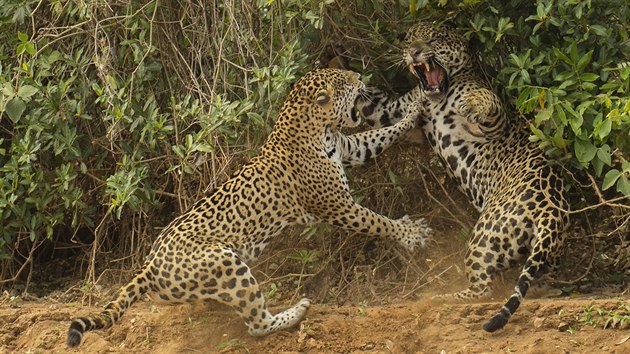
{"points": [[328, 97], [434, 55]]}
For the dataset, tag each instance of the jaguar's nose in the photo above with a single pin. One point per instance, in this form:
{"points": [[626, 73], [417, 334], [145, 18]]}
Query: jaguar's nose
{"points": [[414, 50], [355, 77]]}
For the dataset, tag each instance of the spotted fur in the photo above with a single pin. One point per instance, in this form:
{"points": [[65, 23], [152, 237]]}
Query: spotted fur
{"points": [[297, 178], [506, 177]]}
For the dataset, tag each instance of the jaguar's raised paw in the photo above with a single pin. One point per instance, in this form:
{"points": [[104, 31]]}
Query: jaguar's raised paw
{"points": [[417, 235], [473, 108]]}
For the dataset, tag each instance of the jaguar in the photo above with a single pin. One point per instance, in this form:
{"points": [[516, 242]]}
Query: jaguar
{"points": [[509, 180], [297, 178]]}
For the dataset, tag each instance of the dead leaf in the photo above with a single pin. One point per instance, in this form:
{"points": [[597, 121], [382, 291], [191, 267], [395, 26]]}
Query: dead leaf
{"points": [[623, 340], [563, 326], [389, 344]]}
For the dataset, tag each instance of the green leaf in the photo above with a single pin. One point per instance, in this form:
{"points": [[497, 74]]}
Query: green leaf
{"points": [[516, 60], [97, 89], [573, 52], [397, 180], [584, 150], [15, 108], [598, 166], [584, 60], [562, 56], [544, 115], [189, 140], [599, 30], [178, 151], [26, 91], [561, 114], [23, 37], [256, 118], [604, 129], [603, 153], [567, 83], [576, 125], [204, 148], [623, 186], [20, 48], [610, 178], [588, 77], [563, 76], [30, 48]]}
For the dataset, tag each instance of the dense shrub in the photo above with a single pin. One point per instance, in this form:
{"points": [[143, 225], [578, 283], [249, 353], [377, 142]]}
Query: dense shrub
{"points": [[118, 114], [110, 111]]}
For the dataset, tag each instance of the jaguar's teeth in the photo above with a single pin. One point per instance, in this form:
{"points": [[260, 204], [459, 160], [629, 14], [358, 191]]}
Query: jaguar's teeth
{"points": [[427, 67]]}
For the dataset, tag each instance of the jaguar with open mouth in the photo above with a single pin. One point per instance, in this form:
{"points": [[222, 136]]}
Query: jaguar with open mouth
{"points": [[517, 191], [432, 77]]}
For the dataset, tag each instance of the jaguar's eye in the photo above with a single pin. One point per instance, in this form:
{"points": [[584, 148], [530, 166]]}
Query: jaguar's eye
{"points": [[322, 98]]}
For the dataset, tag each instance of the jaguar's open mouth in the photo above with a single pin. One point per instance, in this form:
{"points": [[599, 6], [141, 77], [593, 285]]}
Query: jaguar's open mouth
{"points": [[432, 76]]}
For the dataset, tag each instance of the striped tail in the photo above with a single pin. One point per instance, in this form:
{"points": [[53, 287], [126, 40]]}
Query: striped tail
{"points": [[127, 295], [520, 290], [546, 242]]}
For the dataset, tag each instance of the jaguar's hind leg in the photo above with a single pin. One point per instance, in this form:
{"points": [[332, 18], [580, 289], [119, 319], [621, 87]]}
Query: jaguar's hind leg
{"points": [[497, 243], [224, 277], [480, 277], [546, 244]]}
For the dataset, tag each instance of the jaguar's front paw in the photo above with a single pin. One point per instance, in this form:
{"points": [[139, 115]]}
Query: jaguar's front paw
{"points": [[414, 110], [370, 102], [470, 111], [474, 108], [417, 234]]}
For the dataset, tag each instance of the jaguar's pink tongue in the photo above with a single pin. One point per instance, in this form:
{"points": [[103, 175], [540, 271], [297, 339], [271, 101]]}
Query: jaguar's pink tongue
{"points": [[434, 77]]}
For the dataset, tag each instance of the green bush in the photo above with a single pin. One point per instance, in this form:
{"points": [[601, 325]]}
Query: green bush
{"points": [[564, 66], [105, 109]]}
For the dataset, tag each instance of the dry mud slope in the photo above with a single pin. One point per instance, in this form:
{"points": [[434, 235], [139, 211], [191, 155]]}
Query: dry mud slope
{"points": [[540, 326]]}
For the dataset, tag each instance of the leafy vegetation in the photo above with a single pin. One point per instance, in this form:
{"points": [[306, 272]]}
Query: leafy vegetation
{"points": [[115, 115], [596, 316]]}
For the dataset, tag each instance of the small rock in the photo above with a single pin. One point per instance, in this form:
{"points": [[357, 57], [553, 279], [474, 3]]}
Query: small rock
{"points": [[538, 321], [389, 344], [563, 326], [312, 343]]}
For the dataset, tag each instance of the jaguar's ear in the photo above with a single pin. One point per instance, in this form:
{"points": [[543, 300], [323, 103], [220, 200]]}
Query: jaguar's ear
{"points": [[322, 98], [449, 25]]}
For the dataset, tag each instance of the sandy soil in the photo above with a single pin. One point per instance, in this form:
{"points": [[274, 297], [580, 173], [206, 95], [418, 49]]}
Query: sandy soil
{"points": [[540, 326]]}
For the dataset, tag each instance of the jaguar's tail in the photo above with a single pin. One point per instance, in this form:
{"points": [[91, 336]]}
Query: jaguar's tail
{"points": [[127, 295], [546, 242]]}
